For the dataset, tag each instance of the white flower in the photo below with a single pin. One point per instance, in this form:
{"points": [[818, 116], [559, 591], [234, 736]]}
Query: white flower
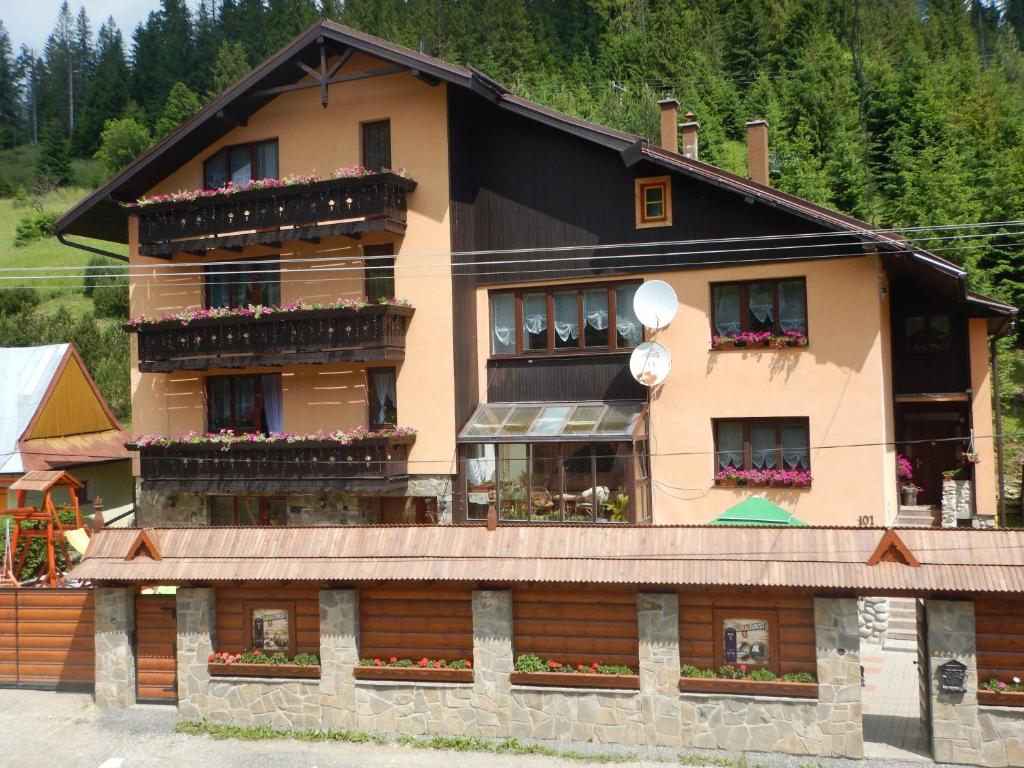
{"points": [[1016, 681]]}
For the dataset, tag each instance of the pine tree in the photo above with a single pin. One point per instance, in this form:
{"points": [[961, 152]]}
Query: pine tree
{"points": [[57, 94], [108, 89], [181, 104], [229, 67], [8, 92], [54, 154]]}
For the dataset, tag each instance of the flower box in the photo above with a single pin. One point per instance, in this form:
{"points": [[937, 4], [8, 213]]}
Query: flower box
{"points": [[576, 680], [414, 674], [997, 699], [748, 687], [727, 482], [238, 669]]}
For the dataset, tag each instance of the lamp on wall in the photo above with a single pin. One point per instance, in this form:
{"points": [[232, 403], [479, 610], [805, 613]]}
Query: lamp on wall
{"points": [[172, 500]]}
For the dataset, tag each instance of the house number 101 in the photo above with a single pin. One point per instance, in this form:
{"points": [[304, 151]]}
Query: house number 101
{"points": [[866, 521]]}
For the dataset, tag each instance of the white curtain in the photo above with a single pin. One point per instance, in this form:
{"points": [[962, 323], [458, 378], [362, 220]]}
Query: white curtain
{"points": [[727, 309], [625, 319], [503, 322], [386, 396], [762, 446], [535, 313], [792, 309], [762, 301], [795, 449], [273, 411], [595, 309], [730, 445], [567, 324], [480, 469]]}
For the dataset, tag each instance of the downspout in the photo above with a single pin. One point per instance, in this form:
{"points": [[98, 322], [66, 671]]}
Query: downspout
{"points": [[91, 249], [1000, 473]]}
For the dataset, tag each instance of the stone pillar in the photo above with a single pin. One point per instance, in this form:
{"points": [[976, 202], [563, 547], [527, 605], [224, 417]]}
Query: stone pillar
{"points": [[956, 733], [339, 653], [658, 630], [839, 714], [492, 661], [115, 650], [196, 609]]}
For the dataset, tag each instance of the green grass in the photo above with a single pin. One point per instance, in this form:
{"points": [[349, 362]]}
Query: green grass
{"points": [[18, 165]]}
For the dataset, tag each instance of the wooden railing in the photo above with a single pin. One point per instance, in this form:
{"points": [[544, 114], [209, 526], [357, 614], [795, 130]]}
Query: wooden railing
{"points": [[299, 211], [307, 466], [375, 332]]}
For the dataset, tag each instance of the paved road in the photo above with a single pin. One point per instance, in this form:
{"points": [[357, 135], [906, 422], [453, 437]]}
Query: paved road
{"points": [[41, 729]]}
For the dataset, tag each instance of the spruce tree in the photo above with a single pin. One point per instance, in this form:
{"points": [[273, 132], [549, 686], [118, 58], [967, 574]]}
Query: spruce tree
{"points": [[8, 92], [181, 104], [229, 67], [54, 154]]}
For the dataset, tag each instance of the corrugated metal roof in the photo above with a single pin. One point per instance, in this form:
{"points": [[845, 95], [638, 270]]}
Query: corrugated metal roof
{"points": [[25, 375], [813, 558]]}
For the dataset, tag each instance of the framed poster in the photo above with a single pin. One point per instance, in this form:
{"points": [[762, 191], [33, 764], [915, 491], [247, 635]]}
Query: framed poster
{"points": [[746, 637], [270, 627]]}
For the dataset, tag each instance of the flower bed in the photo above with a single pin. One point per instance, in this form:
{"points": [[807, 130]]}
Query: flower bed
{"points": [[432, 670], [779, 478], [531, 669], [227, 438], [259, 664], [255, 312], [1000, 693], [749, 681], [292, 180], [759, 340]]}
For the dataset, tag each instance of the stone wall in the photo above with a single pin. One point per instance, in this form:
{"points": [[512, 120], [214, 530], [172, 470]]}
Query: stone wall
{"points": [[839, 714], [114, 619], [1002, 733], [873, 619], [195, 610], [956, 502]]}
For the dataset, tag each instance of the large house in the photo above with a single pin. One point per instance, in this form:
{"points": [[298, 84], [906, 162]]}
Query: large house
{"points": [[371, 287]]}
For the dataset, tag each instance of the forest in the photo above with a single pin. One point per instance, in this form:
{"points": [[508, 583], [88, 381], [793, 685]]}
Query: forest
{"points": [[905, 113]]}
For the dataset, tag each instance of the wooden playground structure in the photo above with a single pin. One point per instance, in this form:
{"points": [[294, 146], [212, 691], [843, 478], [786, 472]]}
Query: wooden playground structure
{"points": [[50, 527]]}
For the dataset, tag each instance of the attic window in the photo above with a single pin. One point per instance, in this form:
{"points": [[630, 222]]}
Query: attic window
{"points": [[653, 202]]}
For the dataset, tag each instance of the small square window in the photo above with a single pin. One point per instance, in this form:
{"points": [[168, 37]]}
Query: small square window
{"points": [[654, 202]]}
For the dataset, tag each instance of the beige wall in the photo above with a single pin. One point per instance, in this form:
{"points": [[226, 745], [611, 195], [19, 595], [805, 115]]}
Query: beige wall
{"points": [[841, 382], [985, 493], [317, 140]]}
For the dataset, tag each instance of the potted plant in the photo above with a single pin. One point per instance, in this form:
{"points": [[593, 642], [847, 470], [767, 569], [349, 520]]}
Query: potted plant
{"points": [[617, 509], [908, 494], [953, 474], [728, 477], [723, 342]]}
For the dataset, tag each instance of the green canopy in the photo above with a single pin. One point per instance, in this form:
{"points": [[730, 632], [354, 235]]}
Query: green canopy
{"points": [[756, 511]]}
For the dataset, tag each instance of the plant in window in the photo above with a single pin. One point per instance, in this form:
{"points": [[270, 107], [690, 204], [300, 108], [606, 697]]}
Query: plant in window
{"points": [[1001, 686], [618, 509]]}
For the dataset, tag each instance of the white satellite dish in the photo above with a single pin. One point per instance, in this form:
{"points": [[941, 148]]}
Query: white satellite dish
{"points": [[650, 363], [655, 304]]}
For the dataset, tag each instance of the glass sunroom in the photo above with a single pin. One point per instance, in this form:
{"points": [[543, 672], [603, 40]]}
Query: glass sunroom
{"points": [[556, 462]]}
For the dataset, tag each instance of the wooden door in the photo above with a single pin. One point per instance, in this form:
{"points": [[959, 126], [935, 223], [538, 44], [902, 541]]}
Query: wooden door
{"points": [[925, 439], [156, 664]]}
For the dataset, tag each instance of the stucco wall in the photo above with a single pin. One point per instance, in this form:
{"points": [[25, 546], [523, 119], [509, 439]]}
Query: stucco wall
{"points": [[316, 140], [841, 382], [981, 411]]}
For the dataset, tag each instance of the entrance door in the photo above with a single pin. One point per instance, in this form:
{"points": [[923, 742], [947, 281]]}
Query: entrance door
{"points": [[156, 656], [924, 438]]}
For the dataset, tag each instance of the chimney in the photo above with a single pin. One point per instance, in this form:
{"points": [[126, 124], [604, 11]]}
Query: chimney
{"points": [[690, 129], [669, 124], [757, 151]]}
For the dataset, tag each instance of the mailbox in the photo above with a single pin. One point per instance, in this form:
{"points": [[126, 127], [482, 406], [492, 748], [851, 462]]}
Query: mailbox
{"points": [[953, 677]]}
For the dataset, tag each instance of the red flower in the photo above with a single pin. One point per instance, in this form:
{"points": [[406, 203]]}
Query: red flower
{"points": [[743, 667], [256, 652], [393, 659], [469, 664], [596, 664], [437, 665], [376, 662], [579, 667], [211, 657], [423, 662]]}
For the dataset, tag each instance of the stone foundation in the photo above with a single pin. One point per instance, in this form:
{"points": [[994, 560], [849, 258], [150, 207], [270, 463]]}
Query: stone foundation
{"points": [[956, 502], [873, 617], [284, 704], [1002, 733]]}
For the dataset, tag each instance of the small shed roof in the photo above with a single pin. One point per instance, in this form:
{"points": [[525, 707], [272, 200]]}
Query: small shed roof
{"points": [[756, 510], [44, 479]]}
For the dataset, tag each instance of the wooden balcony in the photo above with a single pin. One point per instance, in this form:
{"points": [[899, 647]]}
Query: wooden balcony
{"points": [[375, 332], [307, 466], [347, 206]]}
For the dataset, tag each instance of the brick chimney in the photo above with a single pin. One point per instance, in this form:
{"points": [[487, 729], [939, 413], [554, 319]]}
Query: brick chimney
{"points": [[669, 124], [689, 130], [757, 151]]}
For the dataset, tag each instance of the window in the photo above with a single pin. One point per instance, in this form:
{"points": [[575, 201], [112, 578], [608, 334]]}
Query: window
{"points": [[241, 164], [377, 145], [379, 268], [653, 202], [775, 306], [248, 510], [747, 637], [564, 319], [245, 403], [383, 398], [927, 334], [762, 444], [226, 286]]}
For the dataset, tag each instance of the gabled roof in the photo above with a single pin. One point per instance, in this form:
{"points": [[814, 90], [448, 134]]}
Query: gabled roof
{"points": [[100, 216], [28, 375]]}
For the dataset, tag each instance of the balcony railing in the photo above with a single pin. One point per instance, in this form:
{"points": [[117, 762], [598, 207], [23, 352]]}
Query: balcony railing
{"points": [[343, 206], [308, 466], [306, 336]]}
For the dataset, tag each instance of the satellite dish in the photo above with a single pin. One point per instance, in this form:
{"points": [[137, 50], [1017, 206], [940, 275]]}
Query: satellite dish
{"points": [[650, 363], [655, 304]]}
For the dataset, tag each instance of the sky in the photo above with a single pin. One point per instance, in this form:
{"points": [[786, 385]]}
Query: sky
{"points": [[30, 21]]}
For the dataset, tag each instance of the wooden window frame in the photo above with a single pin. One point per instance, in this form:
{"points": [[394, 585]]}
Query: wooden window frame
{"points": [[376, 252], [253, 158], [744, 299], [371, 396], [640, 188], [612, 347], [248, 606], [258, 398], [718, 617], [363, 125], [257, 278], [778, 422], [928, 318], [235, 499]]}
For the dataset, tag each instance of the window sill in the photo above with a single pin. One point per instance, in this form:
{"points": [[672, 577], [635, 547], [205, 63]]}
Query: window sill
{"points": [[748, 687], [748, 484], [284, 671], [574, 680]]}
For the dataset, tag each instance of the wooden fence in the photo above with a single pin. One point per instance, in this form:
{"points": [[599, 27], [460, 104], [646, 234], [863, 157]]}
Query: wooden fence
{"points": [[46, 638], [999, 628], [416, 621]]}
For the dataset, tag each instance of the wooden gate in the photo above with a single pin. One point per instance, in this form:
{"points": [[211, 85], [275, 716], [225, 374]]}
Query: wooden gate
{"points": [[156, 667], [46, 638], [924, 672]]}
